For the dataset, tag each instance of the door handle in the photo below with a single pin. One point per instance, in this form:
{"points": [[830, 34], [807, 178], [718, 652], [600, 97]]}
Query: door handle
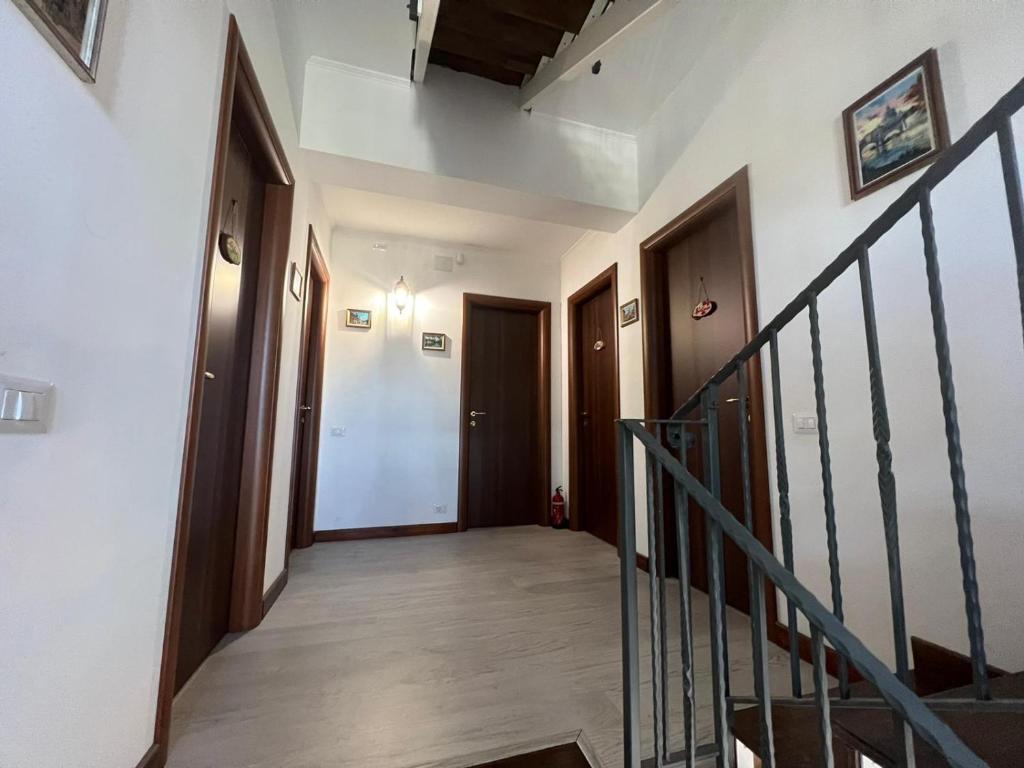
{"points": [[305, 408], [208, 375], [474, 414]]}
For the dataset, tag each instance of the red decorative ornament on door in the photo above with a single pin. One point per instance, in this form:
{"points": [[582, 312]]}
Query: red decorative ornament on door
{"points": [[705, 306]]}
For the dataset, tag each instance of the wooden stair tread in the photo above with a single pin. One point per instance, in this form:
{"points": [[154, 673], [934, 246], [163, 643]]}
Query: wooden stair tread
{"points": [[996, 737]]}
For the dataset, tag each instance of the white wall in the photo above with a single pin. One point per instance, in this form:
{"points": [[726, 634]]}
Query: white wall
{"points": [[806, 62], [398, 404], [464, 127], [103, 204], [375, 34]]}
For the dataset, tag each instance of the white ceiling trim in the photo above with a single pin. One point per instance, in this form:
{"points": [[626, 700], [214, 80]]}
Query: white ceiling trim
{"points": [[360, 72]]}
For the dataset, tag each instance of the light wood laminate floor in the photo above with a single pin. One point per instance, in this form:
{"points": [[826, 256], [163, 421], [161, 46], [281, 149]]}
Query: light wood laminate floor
{"points": [[433, 651]]}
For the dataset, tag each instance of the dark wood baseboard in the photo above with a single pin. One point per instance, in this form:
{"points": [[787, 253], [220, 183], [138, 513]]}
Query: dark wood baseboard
{"points": [[275, 591], [384, 532], [562, 756], [151, 759], [643, 563]]}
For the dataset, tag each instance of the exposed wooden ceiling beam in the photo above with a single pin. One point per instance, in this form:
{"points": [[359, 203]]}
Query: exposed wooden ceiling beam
{"points": [[472, 47], [424, 37], [475, 67], [563, 15], [511, 31], [587, 47]]}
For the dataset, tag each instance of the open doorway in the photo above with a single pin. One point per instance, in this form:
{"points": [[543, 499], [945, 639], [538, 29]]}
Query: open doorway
{"points": [[594, 406], [309, 395], [707, 252]]}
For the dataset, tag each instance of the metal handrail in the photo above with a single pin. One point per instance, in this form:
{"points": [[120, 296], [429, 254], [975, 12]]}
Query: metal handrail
{"points": [[895, 693], [911, 715]]}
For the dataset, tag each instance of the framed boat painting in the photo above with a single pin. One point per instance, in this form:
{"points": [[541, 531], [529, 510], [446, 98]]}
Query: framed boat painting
{"points": [[897, 127]]}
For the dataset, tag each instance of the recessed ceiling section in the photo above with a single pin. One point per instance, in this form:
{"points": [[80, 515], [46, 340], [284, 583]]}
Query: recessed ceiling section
{"points": [[503, 40], [392, 215]]}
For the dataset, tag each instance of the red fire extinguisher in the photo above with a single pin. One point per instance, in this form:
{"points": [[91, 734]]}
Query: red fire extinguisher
{"points": [[558, 519]]}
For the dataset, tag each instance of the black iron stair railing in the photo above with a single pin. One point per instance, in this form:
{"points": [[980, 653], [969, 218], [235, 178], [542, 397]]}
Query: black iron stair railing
{"points": [[658, 439]]}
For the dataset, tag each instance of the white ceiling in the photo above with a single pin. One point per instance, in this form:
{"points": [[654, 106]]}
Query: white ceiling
{"points": [[640, 69], [406, 217]]}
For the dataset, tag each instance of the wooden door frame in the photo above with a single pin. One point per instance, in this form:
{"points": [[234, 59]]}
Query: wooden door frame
{"points": [[609, 278], [733, 192], [300, 511], [543, 311], [242, 107]]}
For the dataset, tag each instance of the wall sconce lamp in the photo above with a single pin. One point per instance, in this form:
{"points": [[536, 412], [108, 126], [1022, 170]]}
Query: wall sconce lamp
{"points": [[402, 294]]}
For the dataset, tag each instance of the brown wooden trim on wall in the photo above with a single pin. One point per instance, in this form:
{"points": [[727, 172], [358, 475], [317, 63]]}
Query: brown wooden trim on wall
{"points": [[607, 278], [151, 759], [385, 532], [275, 591], [261, 416], [300, 511], [543, 312], [242, 106]]}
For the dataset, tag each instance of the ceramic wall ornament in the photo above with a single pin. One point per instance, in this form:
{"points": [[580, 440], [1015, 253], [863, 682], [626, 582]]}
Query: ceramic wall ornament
{"points": [[705, 306], [230, 249]]}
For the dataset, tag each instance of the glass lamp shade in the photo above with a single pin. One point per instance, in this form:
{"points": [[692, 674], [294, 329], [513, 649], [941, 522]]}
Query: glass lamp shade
{"points": [[402, 293]]}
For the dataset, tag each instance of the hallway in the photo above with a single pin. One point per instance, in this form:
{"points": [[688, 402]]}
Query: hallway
{"points": [[432, 651]]}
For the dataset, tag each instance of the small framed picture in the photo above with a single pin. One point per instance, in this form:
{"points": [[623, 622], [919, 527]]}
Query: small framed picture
{"points": [[897, 127], [629, 313], [295, 282], [435, 342], [358, 318], [74, 29]]}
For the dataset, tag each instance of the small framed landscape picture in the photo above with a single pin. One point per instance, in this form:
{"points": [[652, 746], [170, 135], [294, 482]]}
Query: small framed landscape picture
{"points": [[435, 342], [358, 318], [295, 282], [629, 313], [74, 29], [897, 127]]}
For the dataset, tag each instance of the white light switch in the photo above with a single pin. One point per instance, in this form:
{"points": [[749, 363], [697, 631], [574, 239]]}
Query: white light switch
{"points": [[338, 431], [25, 405], [18, 405], [805, 423]]}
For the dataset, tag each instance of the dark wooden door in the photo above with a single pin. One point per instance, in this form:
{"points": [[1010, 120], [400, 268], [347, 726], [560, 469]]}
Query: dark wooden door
{"points": [[308, 402], [698, 348], [229, 335], [503, 383], [597, 395]]}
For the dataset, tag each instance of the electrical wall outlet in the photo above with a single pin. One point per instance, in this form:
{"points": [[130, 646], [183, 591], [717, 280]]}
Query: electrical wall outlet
{"points": [[440, 509], [805, 423]]}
